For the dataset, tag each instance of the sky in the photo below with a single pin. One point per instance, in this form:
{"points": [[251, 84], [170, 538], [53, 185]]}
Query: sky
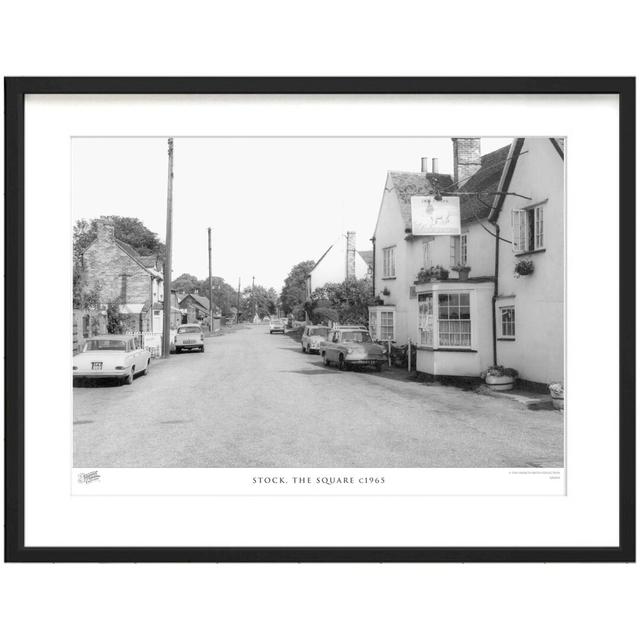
{"points": [[271, 202]]}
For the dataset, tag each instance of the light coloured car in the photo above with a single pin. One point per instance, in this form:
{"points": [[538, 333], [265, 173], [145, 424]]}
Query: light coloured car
{"points": [[111, 356], [352, 345], [189, 337], [277, 325], [313, 337]]}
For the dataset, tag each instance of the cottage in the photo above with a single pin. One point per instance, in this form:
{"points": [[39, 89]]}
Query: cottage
{"points": [[124, 278], [195, 309]]}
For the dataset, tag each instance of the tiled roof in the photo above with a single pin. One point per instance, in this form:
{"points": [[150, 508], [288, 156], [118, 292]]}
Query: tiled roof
{"points": [[367, 256], [486, 179], [147, 262], [407, 184]]}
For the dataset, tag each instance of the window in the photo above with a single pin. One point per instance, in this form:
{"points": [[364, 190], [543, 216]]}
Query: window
{"points": [[528, 229], [454, 320], [453, 327], [508, 322], [425, 319], [386, 325], [458, 253], [373, 324], [389, 262], [123, 289], [382, 323]]}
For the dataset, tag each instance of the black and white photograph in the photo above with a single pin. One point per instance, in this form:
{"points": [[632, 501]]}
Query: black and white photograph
{"points": [[318, 302]]}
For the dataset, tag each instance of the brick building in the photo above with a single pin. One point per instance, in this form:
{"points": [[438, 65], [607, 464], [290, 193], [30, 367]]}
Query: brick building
{"points": [[124, 277]]}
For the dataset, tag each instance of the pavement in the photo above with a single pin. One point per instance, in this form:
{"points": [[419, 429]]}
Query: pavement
{"points": [[255, 400]]}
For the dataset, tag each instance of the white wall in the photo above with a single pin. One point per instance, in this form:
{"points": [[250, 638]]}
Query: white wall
{"points": [[333, 267], [538, 350]]}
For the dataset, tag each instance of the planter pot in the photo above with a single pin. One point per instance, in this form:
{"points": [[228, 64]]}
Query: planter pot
{"points": [[558, 403], [500, 383], [463, 274]]}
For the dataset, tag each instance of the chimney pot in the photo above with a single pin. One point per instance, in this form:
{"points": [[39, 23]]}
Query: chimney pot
{"points": [[434, 164], [424, 165]]}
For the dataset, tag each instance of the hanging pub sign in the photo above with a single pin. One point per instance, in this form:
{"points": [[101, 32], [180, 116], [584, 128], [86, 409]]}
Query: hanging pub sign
{"points": [[431, 217]]}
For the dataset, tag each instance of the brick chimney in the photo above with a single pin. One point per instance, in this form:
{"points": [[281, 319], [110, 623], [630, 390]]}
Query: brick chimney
{"points": [[466, 158], [351, 254], [105, 230]]}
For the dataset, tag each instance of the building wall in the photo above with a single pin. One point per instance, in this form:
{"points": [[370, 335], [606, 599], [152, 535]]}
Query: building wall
{"points": [[538, 349], [105, 263], [390, 231]]}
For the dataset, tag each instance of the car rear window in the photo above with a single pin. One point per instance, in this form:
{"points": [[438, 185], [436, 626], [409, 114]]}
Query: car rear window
{"points": [[356, 336], [189, 330], [105, 345], [319, 332]]}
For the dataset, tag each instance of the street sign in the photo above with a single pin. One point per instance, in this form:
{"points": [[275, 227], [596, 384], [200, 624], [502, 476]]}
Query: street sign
{"points": [[431, 217]]}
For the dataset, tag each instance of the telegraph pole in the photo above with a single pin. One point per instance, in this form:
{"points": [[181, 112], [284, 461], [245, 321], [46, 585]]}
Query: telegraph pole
{"points": [[166, 314], [210, 288], [253, 296], [238, 304]]}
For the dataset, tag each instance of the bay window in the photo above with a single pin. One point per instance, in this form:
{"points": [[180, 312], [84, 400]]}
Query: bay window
{"points": [[444, 320]]}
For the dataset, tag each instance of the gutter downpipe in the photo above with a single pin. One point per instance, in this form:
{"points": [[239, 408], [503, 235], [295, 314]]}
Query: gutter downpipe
{"points": [[495, 296], [373, 268]]}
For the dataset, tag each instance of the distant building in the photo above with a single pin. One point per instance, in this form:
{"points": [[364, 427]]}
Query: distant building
{"points": [[338, 263]]}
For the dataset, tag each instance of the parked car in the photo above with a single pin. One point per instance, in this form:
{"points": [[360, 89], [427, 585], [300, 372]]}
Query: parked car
{"points": [[277, 325], [189, 337], [313, 337], [111, 356], [351, 345]]}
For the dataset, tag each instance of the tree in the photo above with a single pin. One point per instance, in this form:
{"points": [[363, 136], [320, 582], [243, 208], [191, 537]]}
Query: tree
{"points": [[350, 299], [129, 230], [186, 282], [294, 291], [264, 301]]}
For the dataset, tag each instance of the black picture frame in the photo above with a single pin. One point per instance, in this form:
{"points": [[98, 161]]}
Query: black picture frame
{"points": [[15, 91]]}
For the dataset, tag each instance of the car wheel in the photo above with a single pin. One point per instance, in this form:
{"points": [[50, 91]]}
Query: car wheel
{"points": [[129, 378], [304, 349], [202, 348], [146, 369], [342, 365], [325, 360], [178, 350], [270, 333]]}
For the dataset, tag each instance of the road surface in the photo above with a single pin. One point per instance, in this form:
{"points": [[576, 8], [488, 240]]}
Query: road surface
{"points": [[255, 400]]}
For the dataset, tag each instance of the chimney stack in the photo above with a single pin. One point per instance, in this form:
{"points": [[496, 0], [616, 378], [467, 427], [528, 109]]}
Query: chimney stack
{"points": [[424, 165], [466, 158], [434, 164], [105, 230], [351, 254]]}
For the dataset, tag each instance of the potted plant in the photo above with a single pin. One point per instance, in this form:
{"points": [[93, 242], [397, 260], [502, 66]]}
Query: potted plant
{"points": [[556, 389], [432, 274], [499, 378], [386, 292], [462, 270], [523, 268]]}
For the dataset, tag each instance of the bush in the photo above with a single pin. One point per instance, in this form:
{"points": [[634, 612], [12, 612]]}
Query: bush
{"points": [[324, 315]]}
